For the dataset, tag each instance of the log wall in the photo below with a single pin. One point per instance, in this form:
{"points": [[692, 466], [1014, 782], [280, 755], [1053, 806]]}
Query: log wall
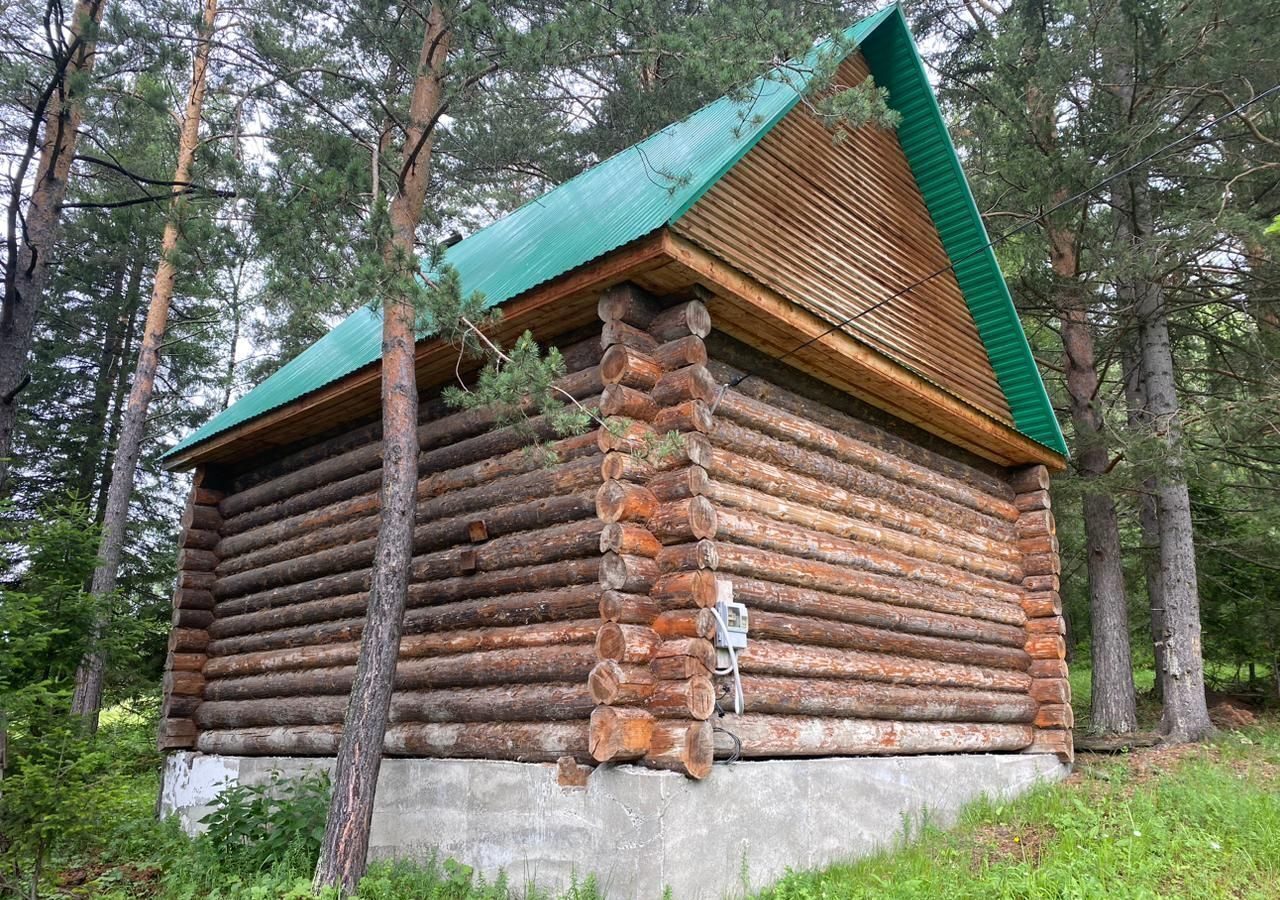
{"points": [[503, 605], [902, 595]]}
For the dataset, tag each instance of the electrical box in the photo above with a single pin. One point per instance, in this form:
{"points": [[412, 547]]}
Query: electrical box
{"points": [[731, 630]]}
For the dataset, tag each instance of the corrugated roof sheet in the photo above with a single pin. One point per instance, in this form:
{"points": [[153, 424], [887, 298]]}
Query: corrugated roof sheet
{"points": [[651, 184]]}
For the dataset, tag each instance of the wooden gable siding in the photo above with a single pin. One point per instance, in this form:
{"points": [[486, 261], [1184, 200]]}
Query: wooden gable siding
{"points": [[839, 227]]}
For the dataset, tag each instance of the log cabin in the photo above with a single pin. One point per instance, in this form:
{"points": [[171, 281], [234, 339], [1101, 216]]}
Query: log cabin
{"points": [[863, 463]]}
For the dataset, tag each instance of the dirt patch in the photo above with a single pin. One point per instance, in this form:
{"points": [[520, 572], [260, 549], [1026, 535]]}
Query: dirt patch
{"points": [[1232, 713], [83, 881], [995, 845]]}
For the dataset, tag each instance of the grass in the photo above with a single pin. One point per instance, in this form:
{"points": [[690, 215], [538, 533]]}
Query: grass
{"points": [[1196, 822]]}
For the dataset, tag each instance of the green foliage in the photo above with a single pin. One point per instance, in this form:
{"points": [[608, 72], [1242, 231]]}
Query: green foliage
{"points": [[1207, 826], [255, 827]]}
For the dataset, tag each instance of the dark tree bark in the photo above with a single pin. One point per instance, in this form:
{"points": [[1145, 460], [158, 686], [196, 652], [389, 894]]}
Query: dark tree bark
{"points": [[345, 847], [32, 231], [1114, 705], [87, 700]]}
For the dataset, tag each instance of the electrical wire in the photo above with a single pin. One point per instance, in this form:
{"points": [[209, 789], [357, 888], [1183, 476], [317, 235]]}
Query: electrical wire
{"points": [[733, 663], [1016, 230]]}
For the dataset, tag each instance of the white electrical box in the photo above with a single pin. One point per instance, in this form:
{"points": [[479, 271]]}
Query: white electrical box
{"points": [[731, 627]]}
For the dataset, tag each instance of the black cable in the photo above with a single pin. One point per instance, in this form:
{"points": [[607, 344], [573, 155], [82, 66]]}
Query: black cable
{"points": [[1015, 230]]}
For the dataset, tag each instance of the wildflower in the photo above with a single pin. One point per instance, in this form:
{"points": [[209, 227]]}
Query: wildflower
{"points": [[1137, 833]]}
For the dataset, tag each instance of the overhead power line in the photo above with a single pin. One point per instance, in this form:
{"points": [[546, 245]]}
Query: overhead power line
{"points": [[1018, 229]]}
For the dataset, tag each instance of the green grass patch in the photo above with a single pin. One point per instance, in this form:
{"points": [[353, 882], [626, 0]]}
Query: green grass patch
{"points": [[1199, 822]]}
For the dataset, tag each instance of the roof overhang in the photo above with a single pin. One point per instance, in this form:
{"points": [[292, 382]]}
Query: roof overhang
{"points": [[665, 264]]}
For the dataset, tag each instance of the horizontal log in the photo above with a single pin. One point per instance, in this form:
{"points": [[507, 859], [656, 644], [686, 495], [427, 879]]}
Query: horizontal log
{"points": [[1048, 668], [628, 467], [678, 623], [774, 736], [696, 555], [192, 618], [786, 426], [505, 525], [734, 469], [1033, 501], [766, 657], [187, 662], [188, 640], [191, 559], [1046, 646], [502, 703], [201, 518], [176, 734], [1048, 603], [691, 415], [1047, 625], [612, 682], [196, 581], [630, 609], [1041, 583], [688, 698], [1036, 523], [626, 643], [629, 368], [912, 547], [1051, 690], [689, 350], [561, 663], [852, 699], [203, 496], [616, 331], [628, 303], [198, 540], [177, 707], [680, 521], [346, 595], [412, 646], [183, 684], [681, 385], [683, 658], [621, 537], [623, 501], [760, 388], [521, 741], [1042, 564], [1054, 715], [1052, 740], [680, 746], [691, 318], [625, 572], [688, 589], [192, 598], [620, 732], [731, 436], [829, 633], [764, 532], [1027, 479], [784, 598], [619, 400], [753, 562], [302, 536]]}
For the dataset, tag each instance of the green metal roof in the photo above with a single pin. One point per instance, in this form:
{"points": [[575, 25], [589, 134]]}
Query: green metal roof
{"points": [[653, 183]]}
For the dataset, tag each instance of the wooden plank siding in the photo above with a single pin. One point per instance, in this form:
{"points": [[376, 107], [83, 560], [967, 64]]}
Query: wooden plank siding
{"points": [[836, 227]]}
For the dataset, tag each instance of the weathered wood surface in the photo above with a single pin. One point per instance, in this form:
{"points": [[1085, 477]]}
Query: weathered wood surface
{"points": [[774, 736], [807, 696]]}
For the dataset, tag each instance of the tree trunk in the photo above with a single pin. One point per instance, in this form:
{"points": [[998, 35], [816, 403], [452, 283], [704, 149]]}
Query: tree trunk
{"points": [[1148, 518], [33, 232], [1186, 716], [345, 847], [87, 699], [116, 338], [1114, 706]]}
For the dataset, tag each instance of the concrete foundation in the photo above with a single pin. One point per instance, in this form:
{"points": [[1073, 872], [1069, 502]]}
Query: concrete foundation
{"points": [[636, 829]]}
